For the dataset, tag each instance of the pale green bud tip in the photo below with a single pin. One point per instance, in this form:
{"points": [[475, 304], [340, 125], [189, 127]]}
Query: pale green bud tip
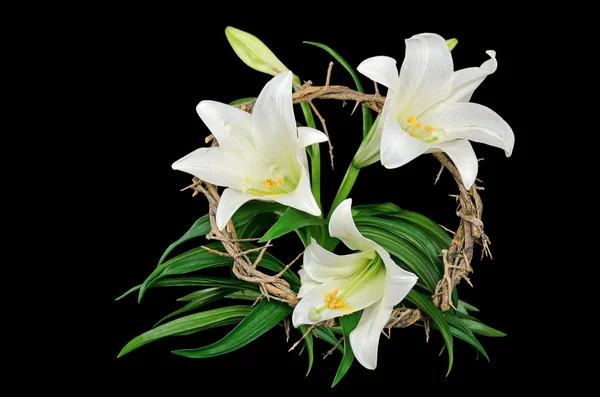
{"points": [[451, 43], [253, 52]]}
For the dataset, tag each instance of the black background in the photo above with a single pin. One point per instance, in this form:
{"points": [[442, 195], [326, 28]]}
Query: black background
{"points": [[157, 64]]}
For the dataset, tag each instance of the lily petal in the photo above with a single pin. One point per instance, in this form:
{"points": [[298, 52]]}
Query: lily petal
{"points": [[382, 70], [308, 136], [342, 226], [224, 166], [426, 74], [321, 265], [230, 126], [468, 79], [398, 282], [474, 122], [397, 146], [231, 201], [364, 339], [464, 158], [301, 198], [306, 284], [363, 296], [273, 121]]}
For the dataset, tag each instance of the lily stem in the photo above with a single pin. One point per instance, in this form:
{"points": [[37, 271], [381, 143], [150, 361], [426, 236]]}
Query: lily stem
{"points": [[345, 187], [352, 172]]}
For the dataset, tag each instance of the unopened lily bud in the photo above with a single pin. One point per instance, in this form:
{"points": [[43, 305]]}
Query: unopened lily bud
{"points": [[451, 43], [253, 52]]}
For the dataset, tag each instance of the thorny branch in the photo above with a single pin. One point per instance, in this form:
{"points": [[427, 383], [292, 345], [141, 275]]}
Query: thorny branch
{"points": [[272, 287], [457, 258], [310, 92]]}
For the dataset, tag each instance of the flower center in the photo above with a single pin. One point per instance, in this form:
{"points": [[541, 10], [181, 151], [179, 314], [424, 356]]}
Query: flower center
{"points": [[338, 298], [277, 183], [425, 133]]}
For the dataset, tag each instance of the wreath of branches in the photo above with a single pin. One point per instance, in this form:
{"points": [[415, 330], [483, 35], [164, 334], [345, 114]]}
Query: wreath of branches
{"points": [[457, 258]]}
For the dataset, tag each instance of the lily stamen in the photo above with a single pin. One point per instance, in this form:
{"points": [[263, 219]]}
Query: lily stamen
{"points": [[413, 129]]}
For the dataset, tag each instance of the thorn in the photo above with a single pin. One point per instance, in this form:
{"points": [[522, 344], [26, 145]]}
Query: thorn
{"points": [[446, 229], [285, 269], [437, 178], [355, 107], [303, 336], [332, 350], [328, 75]]}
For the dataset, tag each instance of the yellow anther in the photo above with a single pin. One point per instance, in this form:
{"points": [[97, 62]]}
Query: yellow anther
{"points": [[417, 126], [267, 184], [428, 128], [331, 296], [339, 303], [280, 180], [413, 134], [412, 120]]}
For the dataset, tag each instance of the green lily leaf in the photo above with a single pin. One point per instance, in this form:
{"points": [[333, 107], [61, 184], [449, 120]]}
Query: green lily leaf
{"points": [[261, 319], [196, 300], [200, 228], [461, 331], [467, 307], [193, 260], [253, 208], [367, 116], [413, 234], [477, 327], [423, 302], [308, 342], [257, 225], [189, 324], [291, 220], [374, 209], [196, 282], [408, 256], [247, 295], [348, 322], [204, 282], [326, 334], [441, 236]]}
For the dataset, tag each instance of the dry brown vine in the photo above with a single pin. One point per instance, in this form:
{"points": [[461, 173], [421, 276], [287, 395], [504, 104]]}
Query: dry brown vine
{"points": [[457, 258]]}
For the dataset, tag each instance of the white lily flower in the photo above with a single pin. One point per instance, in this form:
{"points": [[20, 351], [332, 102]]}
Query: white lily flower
{"points": [[427, 108], [261, 156], [335, 285]]}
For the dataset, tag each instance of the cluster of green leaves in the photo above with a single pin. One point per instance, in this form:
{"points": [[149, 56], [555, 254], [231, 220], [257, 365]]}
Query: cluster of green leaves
{"points": [[184, 270], [413, 240], [415, 243]]}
